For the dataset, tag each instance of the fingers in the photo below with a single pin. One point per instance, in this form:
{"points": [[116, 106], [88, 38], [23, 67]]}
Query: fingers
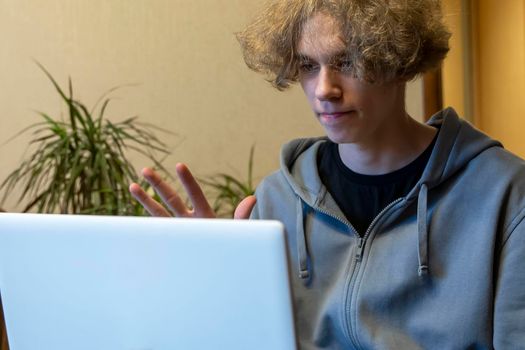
{"points": [[166, 193], [151, 205], [244, 208], [169, 196], [201, 206]]}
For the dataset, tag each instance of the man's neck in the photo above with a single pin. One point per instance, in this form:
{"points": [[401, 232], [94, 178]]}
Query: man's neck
{"points": [[397, 147]]}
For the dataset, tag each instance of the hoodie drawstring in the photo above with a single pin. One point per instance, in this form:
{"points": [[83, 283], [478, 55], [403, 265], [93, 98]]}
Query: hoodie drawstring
{"points": [[302, 251], [422, 231]]}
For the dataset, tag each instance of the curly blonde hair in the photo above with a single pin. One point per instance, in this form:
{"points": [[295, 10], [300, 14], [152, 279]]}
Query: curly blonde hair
{"points": [[385, 39]]}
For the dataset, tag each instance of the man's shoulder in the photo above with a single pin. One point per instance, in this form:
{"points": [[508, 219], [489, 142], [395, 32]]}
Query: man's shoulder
{"points": [[501, 163], [297, 175], [274, 181]]}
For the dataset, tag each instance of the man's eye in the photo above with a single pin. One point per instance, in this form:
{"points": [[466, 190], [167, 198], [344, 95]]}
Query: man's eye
{"points": [[343, 65], [307, 67]]}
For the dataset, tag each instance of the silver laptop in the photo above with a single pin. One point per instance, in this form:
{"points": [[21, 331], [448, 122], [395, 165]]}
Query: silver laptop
{"points": [[90, 282]]}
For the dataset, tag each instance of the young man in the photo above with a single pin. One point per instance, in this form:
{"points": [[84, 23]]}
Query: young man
{"points": [[402, 235]]}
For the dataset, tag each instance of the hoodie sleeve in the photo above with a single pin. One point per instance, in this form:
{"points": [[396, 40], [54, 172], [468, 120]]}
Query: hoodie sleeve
{"points": [[272, 194], [509, 308]]}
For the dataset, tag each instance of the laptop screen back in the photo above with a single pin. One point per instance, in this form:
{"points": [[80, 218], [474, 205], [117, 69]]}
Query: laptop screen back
{"points": [[91, 282]]}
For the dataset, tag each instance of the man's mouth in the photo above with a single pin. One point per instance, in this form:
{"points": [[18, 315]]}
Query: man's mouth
{"points": [[333, 116]]}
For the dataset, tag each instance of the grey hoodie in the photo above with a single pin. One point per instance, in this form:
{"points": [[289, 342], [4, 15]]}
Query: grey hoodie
{"points": [[442, 268]]}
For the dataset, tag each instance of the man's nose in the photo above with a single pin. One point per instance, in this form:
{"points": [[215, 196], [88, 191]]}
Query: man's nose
{"points": [[328, 87]]}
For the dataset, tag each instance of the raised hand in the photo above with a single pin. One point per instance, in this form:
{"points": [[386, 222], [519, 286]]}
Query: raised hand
{"points": [[174, 205]]}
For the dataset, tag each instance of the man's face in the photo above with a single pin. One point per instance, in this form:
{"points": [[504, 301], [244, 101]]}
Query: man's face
{"points": [[350, 110]]}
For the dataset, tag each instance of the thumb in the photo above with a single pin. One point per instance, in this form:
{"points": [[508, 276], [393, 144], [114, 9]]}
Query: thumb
{"points": [[244, 208]]}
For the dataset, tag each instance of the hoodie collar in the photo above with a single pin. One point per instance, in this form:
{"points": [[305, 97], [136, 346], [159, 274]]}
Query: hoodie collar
{"points": [[458, 142]]}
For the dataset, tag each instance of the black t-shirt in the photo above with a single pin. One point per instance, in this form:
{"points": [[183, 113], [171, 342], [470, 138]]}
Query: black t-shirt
{"points": [[362, 197]]}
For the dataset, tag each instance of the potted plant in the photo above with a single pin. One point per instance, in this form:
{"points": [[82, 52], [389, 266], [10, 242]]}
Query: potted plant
{"points": [[79, 164], [229, 190]]}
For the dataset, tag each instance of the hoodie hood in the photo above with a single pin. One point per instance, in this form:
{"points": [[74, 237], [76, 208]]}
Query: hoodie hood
{"points": [[458, 142]]}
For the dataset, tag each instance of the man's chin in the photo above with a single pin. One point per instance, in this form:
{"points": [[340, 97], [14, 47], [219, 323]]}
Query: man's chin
{"points": [[341, 138]]}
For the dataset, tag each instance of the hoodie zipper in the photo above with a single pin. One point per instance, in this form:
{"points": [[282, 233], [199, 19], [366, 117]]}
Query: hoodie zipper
{"points": [[350, 328], [361, 246], [338, 218]]}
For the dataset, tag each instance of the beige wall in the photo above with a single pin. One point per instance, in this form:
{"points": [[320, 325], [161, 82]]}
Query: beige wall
{"points": [[496, 70], [453, 66], [501, 71], [184, 57]]}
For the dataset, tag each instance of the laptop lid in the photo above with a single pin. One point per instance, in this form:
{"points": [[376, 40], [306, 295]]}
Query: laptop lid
{"points": [[94, 282]]}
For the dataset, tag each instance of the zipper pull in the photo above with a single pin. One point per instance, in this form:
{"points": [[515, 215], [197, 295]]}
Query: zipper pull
{"points": [[360, 249]]}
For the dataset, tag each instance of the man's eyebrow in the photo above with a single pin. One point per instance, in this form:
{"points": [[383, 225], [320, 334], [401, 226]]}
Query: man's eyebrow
{"points": [[303, 58]]}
